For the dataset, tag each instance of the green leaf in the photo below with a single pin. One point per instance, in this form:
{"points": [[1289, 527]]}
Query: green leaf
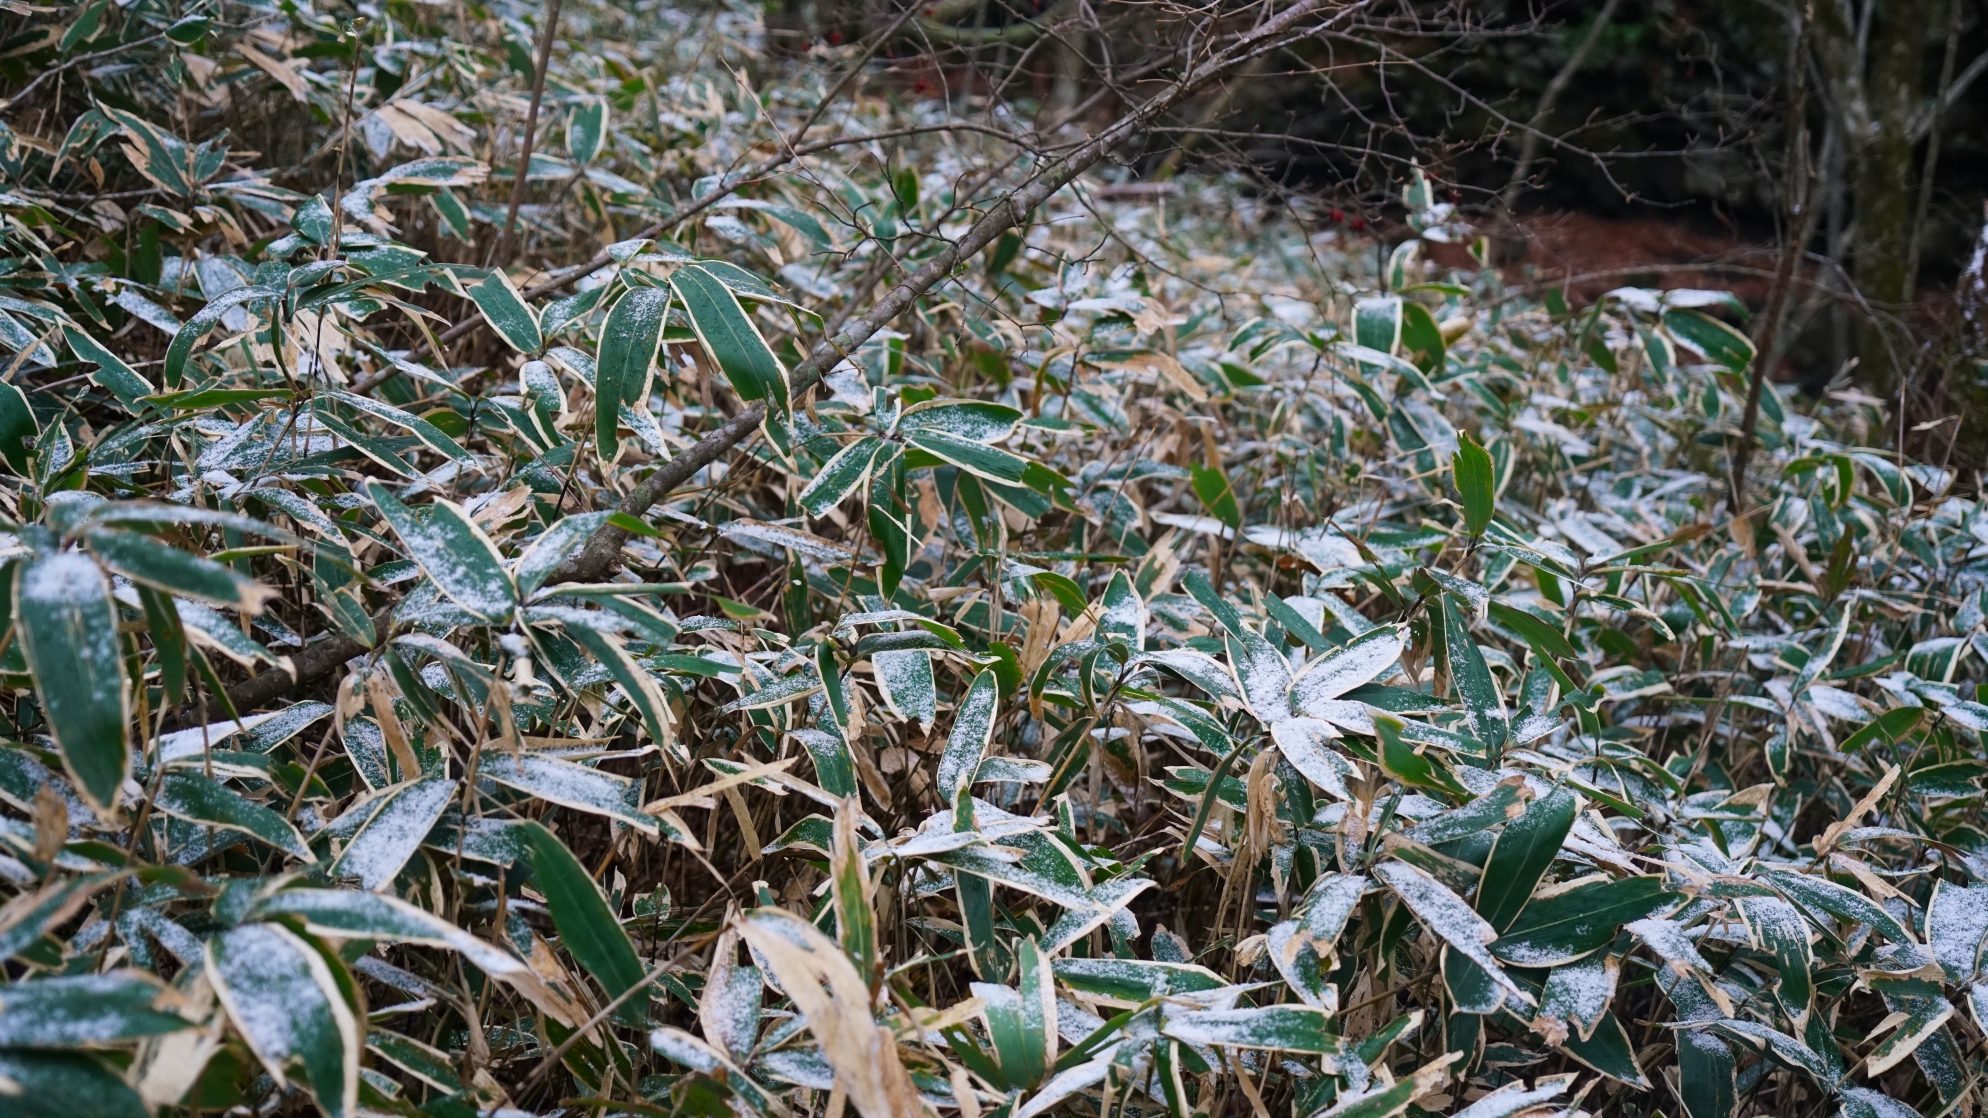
{"points": [[729, 337], [1520, 856], [1949, 778], [503, 306], [145, 560], [638, 685], [1706, 1075], [1037, 985], [17, 430], [629, 338], [285, 1002], [1568, 925], [1470, 676], [1294, 623], [112, 375], [1217, 495], [453, 551], [37, 913], [434, 437], [68, 632], [202, 321], [1476, 483], [168, 642], [1421, 337], [1714, 339], [973, 728], [851, 888], [1387, 1100], [66, 1085], [84, 1009], [430, 1065], [1410, 766], [587, 928], [840, 475], [195, 798], [888, 509], [585, 129], [1888, 474], [85, 26], [1609, 1051], [1886, 728], [1471, 988], [399, 823], [204, 398], [801, 221], [1544, 638]]}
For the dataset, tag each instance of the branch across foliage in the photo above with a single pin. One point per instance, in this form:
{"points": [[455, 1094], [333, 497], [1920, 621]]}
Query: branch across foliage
{"points": [[860, 643]]}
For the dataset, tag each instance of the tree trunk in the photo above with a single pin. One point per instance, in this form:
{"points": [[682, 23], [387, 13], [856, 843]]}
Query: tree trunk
{"points": [[1884, 194]]}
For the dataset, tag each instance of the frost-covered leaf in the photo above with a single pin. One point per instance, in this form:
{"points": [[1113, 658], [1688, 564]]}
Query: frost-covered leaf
{"points": [[1284, 1028], [68, 633], [85, 1009], [1446, 914], [394, 831], [569, 784], [282, 997], [1567, 925], [454, 551], [1956, 926], [973, 727], [1365, 658], [199, 799]]}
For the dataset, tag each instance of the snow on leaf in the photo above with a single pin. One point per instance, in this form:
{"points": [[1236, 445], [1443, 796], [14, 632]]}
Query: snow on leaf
{"points": [[1956, 926], [1361, 660], [1446, 914], [388, 839]]}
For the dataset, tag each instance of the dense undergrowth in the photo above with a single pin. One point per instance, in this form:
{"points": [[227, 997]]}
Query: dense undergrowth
{"points": [[1179, 667]]}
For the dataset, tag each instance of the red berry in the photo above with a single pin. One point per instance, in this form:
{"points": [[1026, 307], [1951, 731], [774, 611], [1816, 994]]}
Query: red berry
{"points": [[1338, 217], [835, 38], [1359, 223]]}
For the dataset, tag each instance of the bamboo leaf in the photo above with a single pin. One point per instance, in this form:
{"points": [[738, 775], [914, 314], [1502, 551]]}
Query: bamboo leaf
{"points": [[282, 997], [629, 339], [68, 633], [503, 306], [195, 798], [1474, 476], [588, 929], [454, 551], [729, 338]]}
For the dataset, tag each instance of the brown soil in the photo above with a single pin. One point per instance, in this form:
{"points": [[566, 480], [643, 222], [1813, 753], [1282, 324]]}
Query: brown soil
{"points": [[1591, 255]]}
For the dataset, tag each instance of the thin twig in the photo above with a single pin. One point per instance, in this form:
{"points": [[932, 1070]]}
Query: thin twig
{"points": [[79, 60], [502, 254]]}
